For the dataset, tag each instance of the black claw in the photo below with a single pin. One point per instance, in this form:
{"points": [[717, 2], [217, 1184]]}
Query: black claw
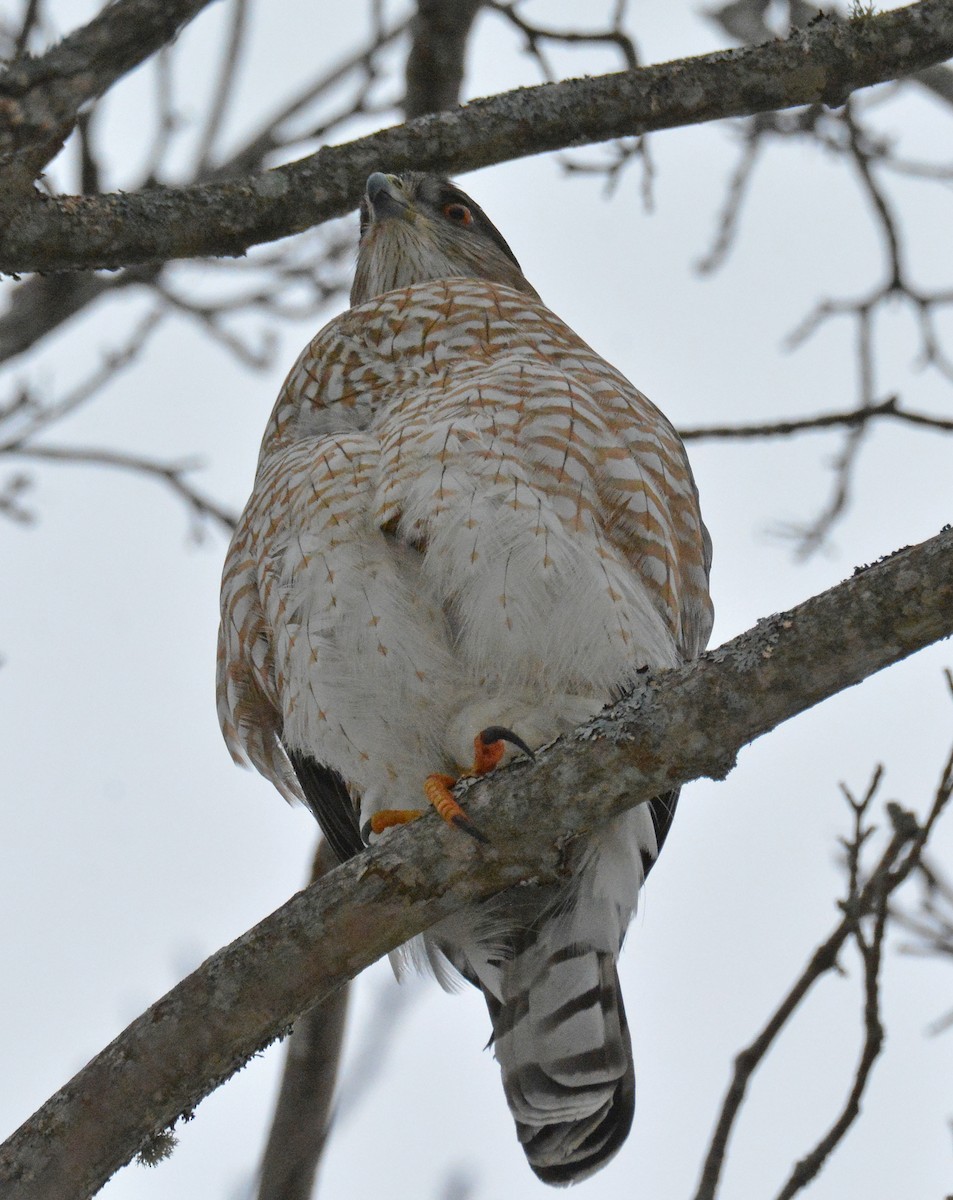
{"points": [[366, 832], [467, 826], [499, 733]]}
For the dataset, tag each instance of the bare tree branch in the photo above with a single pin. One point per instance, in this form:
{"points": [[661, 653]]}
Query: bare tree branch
{"points": [[171, 473], [744, 21], [821, 65], [271, 136], [44, 302], [809, 1167], [841, 133], [29, 416], [832, 420], [41, 97], [222, 93], [31, 19], [679, 725], [534, 35]]}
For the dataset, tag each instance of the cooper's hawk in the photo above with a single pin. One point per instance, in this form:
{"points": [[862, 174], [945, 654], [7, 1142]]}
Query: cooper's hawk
{"points": [[467, 534]]}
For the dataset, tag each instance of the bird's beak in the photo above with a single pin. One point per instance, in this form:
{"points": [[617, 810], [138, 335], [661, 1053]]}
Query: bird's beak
{"points": [[385, 198]]}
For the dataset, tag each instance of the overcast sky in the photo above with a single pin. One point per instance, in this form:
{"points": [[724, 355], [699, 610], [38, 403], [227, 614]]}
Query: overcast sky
{"points": [[131, 847]]}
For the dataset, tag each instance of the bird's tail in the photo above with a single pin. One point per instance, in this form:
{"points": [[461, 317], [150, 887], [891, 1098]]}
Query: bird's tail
{"points": [[562, 1042]]}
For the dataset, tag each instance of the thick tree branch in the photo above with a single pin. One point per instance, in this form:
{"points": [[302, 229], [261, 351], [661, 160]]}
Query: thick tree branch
{"points": [[822, 64], [303, 1113], [41, 97], [440, 31], [679, 725]]}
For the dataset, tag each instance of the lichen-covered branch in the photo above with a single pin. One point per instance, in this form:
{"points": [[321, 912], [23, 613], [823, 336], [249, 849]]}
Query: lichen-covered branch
{"points": [[823, 64], [679, 725]]}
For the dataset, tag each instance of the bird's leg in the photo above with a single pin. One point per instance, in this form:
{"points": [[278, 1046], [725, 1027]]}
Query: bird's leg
{"points": [[489, 747]]}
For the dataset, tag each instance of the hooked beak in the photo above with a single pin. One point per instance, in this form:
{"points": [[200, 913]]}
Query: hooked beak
{"points": [[384, 197]]}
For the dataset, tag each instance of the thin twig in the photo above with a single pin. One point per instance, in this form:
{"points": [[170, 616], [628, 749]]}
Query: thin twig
{"points": [[224, 88], [31, 19], [811, 537], [535, 34], [167, 121], [853, 416], [39, 417], [731, 206], [171, 473], [871, 952]]}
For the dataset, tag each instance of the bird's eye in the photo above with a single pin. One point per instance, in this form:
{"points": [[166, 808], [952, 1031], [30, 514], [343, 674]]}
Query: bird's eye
{"points": [[459, 213]]}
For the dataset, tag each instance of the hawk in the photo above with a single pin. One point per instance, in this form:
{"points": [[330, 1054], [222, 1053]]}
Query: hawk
{"points": [[468, 533]]}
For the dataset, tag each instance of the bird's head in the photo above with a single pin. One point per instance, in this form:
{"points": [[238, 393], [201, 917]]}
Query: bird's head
{"points": [[417, 227]]}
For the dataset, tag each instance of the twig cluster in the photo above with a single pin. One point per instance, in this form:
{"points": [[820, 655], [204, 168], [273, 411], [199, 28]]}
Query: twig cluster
{"points": [[26, 417], [847, 133], [866, 910], [293, 281]]}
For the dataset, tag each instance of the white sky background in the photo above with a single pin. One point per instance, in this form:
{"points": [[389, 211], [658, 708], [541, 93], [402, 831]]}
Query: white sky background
{"points": [[131, 847]]}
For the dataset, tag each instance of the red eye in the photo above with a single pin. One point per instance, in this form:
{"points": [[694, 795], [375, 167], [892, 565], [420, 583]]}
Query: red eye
{"points": [[458, 212]]}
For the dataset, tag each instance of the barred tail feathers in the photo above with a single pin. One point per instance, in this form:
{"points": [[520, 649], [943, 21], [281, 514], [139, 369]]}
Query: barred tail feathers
{"points": [[562, 1041]]}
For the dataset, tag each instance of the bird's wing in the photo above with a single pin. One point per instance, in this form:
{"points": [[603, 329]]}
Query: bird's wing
{"points": [[249, 710], [263, 642], [327, 795]]}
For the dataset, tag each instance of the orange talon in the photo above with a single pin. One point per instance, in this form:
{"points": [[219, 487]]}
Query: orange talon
{"points": [[437, 790], [489, 746], [387, 818]]}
